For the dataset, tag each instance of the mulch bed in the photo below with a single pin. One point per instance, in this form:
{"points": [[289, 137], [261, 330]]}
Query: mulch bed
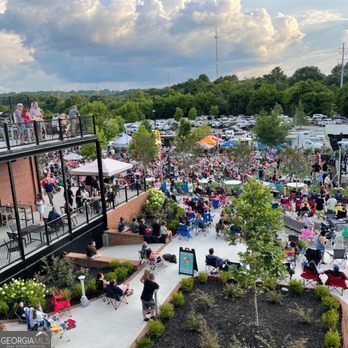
{"points": [[237, 317]]}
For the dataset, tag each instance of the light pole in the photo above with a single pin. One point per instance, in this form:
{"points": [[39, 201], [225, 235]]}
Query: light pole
{"points": [[153, 110]]}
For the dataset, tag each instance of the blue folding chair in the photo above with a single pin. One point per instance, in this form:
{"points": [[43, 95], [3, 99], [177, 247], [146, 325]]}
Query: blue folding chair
{"points": [[216, 203], [200, 226], [184, 231], [207, 218]]}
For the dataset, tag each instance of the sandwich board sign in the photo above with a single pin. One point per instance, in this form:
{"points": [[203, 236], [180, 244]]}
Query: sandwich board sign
{"points": [[187, 261]]}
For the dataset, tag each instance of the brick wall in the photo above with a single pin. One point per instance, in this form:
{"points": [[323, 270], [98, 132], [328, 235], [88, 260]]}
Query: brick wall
{"points": [[127, 210], [25, 181]]}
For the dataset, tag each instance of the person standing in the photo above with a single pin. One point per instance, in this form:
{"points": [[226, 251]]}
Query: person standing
{"points": [[73, 116], [147, 300], [320, 245]]}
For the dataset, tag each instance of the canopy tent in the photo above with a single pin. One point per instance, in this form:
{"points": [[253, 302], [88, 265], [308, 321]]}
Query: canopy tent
{"points": [[229, 143], [72, 157], [123, 141], [110, 168], [209, 141]]}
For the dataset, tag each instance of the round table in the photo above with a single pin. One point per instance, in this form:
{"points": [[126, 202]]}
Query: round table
{"points": [[295, 184], [232, 182]]}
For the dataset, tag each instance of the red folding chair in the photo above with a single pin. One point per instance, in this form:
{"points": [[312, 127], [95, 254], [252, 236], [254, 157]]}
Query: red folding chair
{"points": [[337, 283], [309, 278], [60, 301]]}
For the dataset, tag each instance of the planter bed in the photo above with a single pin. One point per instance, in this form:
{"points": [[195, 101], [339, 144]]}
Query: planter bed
{"points": [[237, 317]]}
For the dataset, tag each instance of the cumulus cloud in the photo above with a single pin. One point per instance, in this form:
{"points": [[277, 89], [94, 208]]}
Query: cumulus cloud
{"points": [[85, 41], [320, 17]]}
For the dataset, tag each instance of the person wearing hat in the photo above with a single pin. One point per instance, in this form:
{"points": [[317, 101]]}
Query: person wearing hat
{"points": [[335, 272]]}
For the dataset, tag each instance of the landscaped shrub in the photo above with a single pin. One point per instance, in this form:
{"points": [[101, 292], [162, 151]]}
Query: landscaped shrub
{"points": [[209, 339], [91, 286], [82, 272], [128, 266], [166, 311], [186, 284], [156, 328], [204, 300], [19, 289], [196, 322], [224, 277], [202, 277], [270, 283], [3, 308], [154, 203], [274, 297], [330, 319], [330, 302], [114, 264], [34, 300], [301, 244], [303, 314], [68, 292], [145, 342], [296, 286], [321, 291], [332, 339], [109, 276], [121, 274], [178, 299], [233, 291], [76, 292]]}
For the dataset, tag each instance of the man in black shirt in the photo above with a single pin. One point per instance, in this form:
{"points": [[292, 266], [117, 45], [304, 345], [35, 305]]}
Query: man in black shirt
{"points": [[156, 229], [319, 205], [91, 250], [150, 286]]}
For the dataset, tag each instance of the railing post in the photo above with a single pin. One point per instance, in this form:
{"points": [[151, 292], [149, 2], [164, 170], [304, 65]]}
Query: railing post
{"points": [[94, 125], [144, 183], [80, 124], [46, 233], [86, 209], [137, 186], [125, 192], [36, 132], [60, 129], [7, 138]]}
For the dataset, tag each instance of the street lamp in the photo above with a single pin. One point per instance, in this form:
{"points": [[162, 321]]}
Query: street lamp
{"points": [[153, 110]]}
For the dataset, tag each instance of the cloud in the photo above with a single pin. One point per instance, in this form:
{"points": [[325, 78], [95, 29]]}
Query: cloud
{"points": [[320, 17], [88, 41]]}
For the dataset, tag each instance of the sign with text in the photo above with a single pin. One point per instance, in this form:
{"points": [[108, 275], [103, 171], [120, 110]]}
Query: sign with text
{"points": [[187, 261], [25, 339]]}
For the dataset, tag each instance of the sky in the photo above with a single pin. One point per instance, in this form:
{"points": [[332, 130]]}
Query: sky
{"points": [[122, 44]]}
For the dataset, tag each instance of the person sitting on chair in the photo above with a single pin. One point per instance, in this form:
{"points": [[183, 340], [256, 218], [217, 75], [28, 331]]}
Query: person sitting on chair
{"points": [[21, 311], [92, 250], [156, 229], [335, 272], [213, 260], [121, 225], [113, 291], [39, 318], [101, 282], [53, 215]]}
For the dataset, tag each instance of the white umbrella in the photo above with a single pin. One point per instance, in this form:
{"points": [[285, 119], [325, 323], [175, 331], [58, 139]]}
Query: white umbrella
{"points": [[295, 184], [73, 157], [110, 168], [232, 182]]}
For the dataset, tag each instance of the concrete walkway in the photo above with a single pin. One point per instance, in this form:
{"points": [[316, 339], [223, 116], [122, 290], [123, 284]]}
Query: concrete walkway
{"points": [[99, 325]]}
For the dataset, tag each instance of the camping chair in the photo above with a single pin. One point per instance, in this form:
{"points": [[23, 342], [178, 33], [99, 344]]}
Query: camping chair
{"points": [[337, 283], [211, 266], [101, 289], [216, 203], [60, 301], [207, 218], [190, 217], [115, 301], [309, 278], [293, 238], [338, 254], [184, 231], [200, 226]]}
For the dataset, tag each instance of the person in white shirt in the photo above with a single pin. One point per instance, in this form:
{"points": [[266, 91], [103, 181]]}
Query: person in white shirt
{"points": [[36, 112]]}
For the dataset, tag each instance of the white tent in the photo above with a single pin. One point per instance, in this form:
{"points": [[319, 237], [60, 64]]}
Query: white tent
{"points": [[123, 141], [72, 157], [110, 168]]}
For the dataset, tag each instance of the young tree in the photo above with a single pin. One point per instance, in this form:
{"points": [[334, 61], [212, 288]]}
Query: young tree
{"points": [[214, 110], [143, 146], [179, 114], [296, 162], [300, 117], [192, 113], [183, 139], [270, 129], [259, 224]]}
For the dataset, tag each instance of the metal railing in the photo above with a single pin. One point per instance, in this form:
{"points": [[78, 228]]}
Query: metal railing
{"points": [[13, 135]]}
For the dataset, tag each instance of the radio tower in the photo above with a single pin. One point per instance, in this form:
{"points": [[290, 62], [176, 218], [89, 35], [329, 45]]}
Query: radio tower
{"points": [[216, 53]]}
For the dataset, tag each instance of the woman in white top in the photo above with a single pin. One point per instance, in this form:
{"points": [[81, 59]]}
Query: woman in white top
{"points": [[40, 205]]}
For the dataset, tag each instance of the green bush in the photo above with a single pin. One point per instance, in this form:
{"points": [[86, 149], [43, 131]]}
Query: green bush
{"points": [[173, 225], [209, 339], [114, 264], [202, 277], [76, 292], [68, 292], [270, 283], [196, 322], [233, 291], [330, 319], [332, 339], [121, 274], [330, 302], [145, 342], [274, 297], [301, 244], [225, 277], [156, 328], [178, 299], [321, 291], [166, 311], [91, 286], [296, 286], [204, 300], [3, 308], [34, 300], [186, 284], [128, 266], [109, 276]]}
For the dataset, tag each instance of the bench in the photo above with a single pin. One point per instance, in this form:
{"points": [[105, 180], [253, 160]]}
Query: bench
{"points": [[99, 262], [123, 238]]}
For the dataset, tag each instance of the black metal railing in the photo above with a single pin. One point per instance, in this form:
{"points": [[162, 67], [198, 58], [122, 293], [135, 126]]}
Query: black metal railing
{"points": [[13, 135]]}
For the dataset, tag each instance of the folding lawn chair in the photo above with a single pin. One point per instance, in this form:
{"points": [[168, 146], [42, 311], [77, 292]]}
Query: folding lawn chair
{"points": [[115, 300], [336, 283], [309, 278], [338, 255], [200, 226], [211, 266]]}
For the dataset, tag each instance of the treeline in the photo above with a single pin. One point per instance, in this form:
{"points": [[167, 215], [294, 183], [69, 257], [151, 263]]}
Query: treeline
{"points": [[227, 95]]}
